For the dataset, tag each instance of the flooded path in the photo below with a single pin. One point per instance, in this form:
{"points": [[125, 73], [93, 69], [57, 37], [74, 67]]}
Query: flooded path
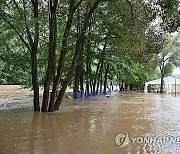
{"points": [[151, 123]]}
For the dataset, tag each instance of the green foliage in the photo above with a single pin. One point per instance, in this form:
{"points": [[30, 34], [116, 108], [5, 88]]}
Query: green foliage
{"points": [[169, 56], [170, 14], [126, 27]]}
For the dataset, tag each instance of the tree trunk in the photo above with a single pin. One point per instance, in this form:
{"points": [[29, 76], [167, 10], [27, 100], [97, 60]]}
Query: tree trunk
{"points": [[101, 84], [81, 63], [162, 81], [95, 78], [88, 63], [131, 87], [76, 55], [101, 67], [77, 81], [162, 76], [105, 79], [111, 86], [78, 67], [34, 47], [88, 71], [72, 10], [88, 68], [122, 86], [30, 40], [52, 51], [79, 77], [91, 85], [35, 80], [126, 86], [99, 77], [82, 81]]}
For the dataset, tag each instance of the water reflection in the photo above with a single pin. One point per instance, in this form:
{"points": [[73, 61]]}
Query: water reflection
{"points": [[91, 126]]}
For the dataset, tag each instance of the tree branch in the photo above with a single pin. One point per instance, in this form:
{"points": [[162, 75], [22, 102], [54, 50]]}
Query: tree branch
{"points": [[16, 31], [78, 4], [36, 16], [131, 8], [27, 29], [23, 16], [18, 8]]}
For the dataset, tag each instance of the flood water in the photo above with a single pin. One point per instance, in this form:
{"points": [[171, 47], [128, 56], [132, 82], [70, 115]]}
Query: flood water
{"points": [[152, 122]]}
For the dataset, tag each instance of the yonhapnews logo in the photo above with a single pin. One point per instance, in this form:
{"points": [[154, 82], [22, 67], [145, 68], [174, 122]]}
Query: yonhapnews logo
{"points": [[123, 139]]}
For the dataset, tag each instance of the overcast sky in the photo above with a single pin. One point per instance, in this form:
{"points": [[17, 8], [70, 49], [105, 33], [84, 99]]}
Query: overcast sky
{"points": [[176, 71]]}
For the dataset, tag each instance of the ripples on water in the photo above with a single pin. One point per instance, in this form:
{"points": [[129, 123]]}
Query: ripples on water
{"points": [[91, 126]]}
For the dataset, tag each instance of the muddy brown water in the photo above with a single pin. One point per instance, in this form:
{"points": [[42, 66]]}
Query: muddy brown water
{"points": [[152, 122]]}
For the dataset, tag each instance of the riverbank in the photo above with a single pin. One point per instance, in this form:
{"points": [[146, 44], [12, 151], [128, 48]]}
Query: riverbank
{"points": [[16, 96]]}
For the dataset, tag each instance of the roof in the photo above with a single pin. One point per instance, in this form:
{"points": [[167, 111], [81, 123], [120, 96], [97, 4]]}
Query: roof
{"points": [[167, 80]]}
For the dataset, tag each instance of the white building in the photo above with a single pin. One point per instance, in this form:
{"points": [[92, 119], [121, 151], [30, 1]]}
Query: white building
{"points": [[170, 84]]}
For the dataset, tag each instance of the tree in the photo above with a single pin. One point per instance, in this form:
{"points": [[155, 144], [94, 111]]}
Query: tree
{"points": [[170, 15], [29, 35], [72, 8], [78, 51], [76, 38], [52, 52], [168, 58], [166, 14]]}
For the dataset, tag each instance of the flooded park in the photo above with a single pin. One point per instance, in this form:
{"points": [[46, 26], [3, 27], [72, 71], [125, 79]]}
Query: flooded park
{"points": [[149, 120], [90, 77]]}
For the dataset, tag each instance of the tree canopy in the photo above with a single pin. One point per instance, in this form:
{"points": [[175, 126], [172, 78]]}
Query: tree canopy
{"points": [[83, 44]]}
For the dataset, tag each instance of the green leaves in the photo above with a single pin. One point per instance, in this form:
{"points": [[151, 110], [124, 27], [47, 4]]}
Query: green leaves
{"points": [[169, 56], [126, 26]]}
